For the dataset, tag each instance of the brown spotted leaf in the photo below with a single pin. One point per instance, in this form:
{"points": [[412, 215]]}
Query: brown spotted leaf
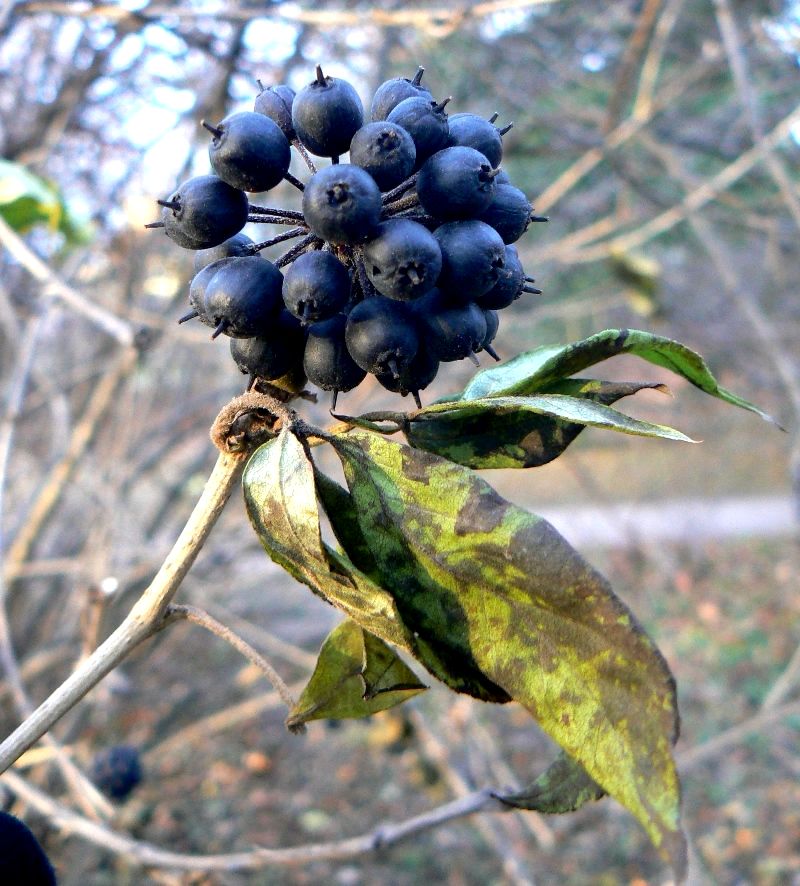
{"points": [[356, 675], [481, 578], [526, 431], [449, 658]]}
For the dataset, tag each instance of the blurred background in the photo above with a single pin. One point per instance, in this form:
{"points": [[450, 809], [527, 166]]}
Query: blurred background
{"points": [[661, 138]]}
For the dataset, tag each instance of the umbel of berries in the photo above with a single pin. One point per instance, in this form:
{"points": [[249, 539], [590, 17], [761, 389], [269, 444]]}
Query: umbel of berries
{"points": [[396, 261]]}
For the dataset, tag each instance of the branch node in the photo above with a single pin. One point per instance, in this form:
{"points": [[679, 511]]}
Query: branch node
{"points": [[248, 421]]}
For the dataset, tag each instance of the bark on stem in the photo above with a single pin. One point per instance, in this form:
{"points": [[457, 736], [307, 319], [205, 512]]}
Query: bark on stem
{"points": [[144, 620]]}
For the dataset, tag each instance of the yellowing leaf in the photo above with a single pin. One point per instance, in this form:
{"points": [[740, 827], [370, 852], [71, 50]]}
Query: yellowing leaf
{"points": [[281, 502], [491, 587], [356, 675]]}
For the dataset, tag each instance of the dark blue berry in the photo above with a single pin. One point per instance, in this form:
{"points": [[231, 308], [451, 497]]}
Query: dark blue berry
{"points": [[381, 336], [274, 352], [415, 377], [326, 115], [509, 213], [391, 92], [117, 771], [403, 260], [275, 102], [238, 245], [455, 183], [249, 151], [243, 297], [510, 281], [316, 286], [197, 291], [426, 123], [204, 212], [473, 255], [475, 132], [22, 860], [492, 325], [386, 151], [342, 204], [327, 362], [449, 330]]}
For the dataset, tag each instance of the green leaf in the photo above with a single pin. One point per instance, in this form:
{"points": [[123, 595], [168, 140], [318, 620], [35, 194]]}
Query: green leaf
{"points": [[535, 371], [356, 675], [563, 787], [528, 431], [490, 582], [281, 502], [27, 200]]}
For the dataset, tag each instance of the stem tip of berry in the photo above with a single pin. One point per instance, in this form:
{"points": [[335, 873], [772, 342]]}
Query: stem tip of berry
{"points": [[214, 130]]}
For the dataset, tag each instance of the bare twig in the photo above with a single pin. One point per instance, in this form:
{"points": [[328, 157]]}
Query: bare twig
{"points": [[758, 321], [693, 756], [738, 65], [143, 853], [199, 617], [274, 644], [101, 399], [54, 285], [144, 619], [617, 137], [514, 868], [696, 199], [788, 680], [438, 20], [643, 102], [86, 794], [630, 58]]}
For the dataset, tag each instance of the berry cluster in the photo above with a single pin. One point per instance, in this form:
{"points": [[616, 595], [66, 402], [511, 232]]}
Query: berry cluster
{"points": [[404, 254]]}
